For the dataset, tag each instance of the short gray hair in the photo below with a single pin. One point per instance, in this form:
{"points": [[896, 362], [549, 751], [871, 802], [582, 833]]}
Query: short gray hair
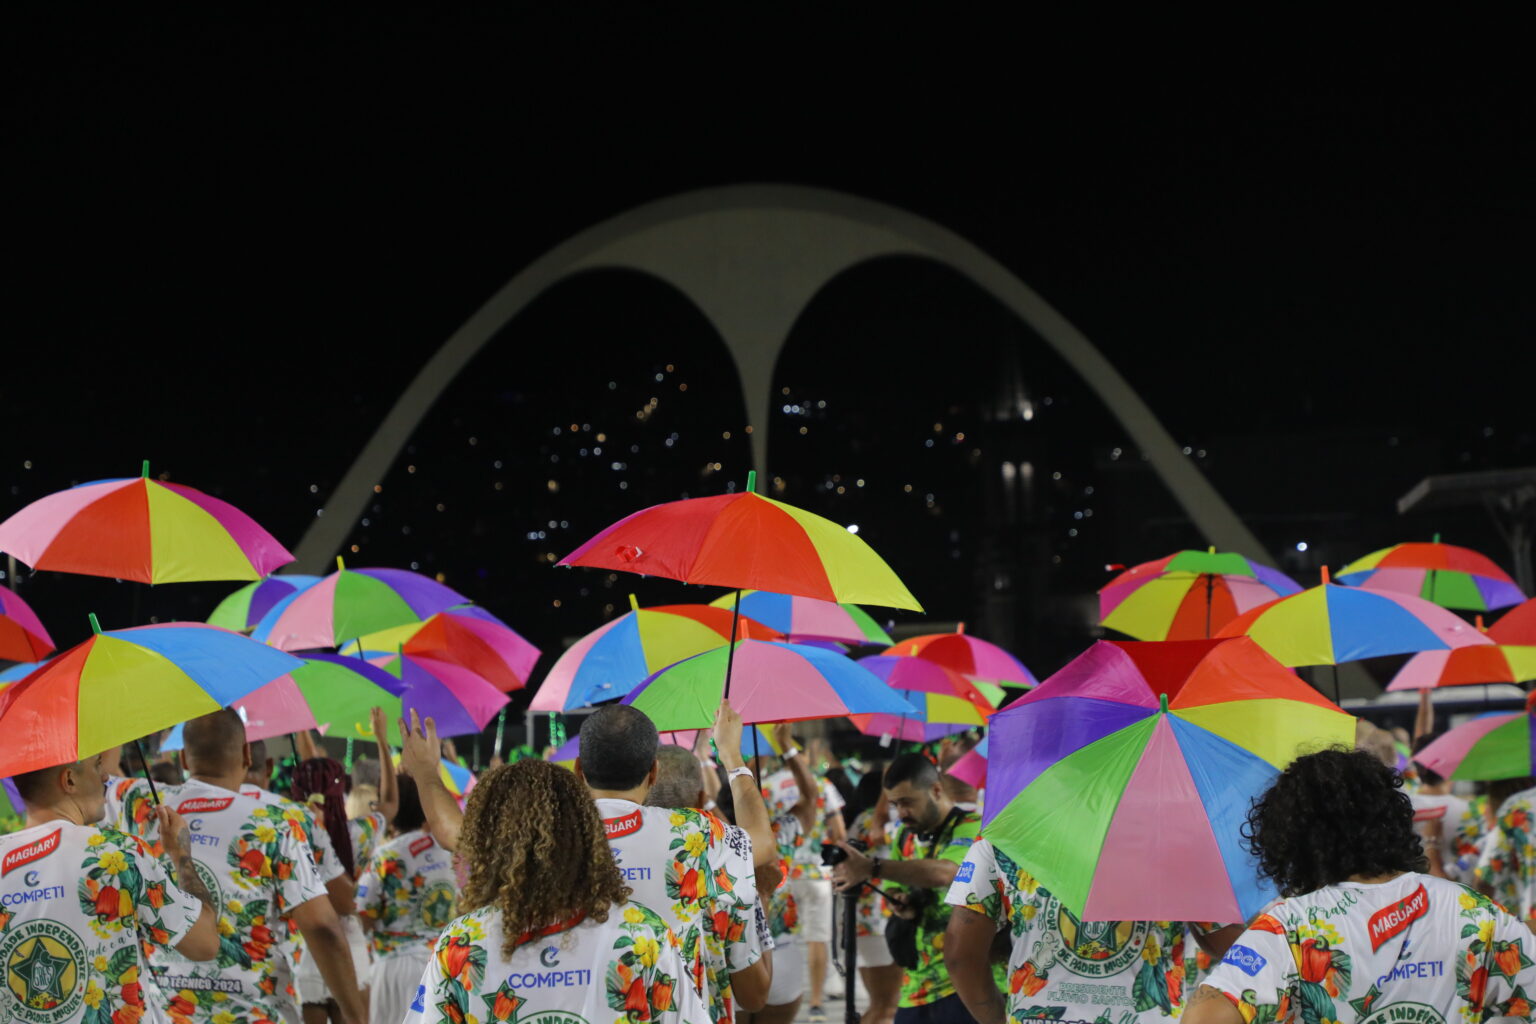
{"points": [[679, 778]]}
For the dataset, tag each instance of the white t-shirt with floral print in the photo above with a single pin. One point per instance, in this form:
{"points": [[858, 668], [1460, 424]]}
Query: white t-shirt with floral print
{"points": [[249, 856], [410, 893], [1413, 950], [79, 905], [625, 969]]}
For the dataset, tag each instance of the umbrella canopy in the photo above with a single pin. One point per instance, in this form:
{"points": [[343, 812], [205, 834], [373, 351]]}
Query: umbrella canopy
{"points": [[1516, 626], [567, 752], [1330, 624], [773, 682], [457, 700], [925, 726], [619, 655], [141, 529], [1467, 666], [276, 709], [945, 700], [22, 636], [1499, 746], [806, 618], [20, 671], [1188, 595], [1443, 574], [244, 608], [1123, 780], [972, 766], [123, 684], [468, 636], [971, 656], [351, 603], [746, 541]]}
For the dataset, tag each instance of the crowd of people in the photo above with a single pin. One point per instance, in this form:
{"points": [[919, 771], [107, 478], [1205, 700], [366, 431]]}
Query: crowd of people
{"points": [[696, 886]]}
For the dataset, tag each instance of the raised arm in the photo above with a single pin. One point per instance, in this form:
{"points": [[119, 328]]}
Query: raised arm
{"points": [[804, 809], [747, 799], [389, 792], [307, 747], [419, 757]]}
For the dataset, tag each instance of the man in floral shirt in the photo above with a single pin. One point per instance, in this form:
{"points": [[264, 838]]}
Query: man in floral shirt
{"points": [[82, 905], [1506, 867], [260, 875]]}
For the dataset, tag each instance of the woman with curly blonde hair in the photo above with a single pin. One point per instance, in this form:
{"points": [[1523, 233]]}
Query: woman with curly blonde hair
{"points": [[549, 924]]}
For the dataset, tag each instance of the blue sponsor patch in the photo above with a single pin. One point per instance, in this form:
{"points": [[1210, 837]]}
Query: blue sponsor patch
{"points": [[1244, 959], [967, 870], [419, 1005]]}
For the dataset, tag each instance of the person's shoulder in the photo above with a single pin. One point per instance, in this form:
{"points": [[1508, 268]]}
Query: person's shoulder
{"points": [[481, 926]]}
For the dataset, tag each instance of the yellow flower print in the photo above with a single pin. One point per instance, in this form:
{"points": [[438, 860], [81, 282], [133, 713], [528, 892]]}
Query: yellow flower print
{"points": [[647, 950], [113, 862], [1485, 931], [633, 916], [1029, 911], [260, 812], [1151, 952], [96, 839], [694, 844], [266, 834], [226, 927], [100, 963], [1466, 901], [220, 997], [1026, 883], [93, 995], [678, 819], [235, 906], [223, 1017]]}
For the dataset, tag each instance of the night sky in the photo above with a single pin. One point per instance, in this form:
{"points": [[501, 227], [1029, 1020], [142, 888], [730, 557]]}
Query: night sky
{"points": [[233, 244]]}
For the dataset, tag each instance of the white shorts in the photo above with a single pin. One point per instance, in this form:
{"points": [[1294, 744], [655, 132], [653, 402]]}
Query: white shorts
{"points": [[813, 899], [311, 986], [395, 981], [873, 952], [788, 971]]}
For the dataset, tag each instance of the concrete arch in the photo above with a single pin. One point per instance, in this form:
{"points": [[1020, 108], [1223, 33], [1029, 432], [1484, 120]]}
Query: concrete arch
{"points": [[751, 258]]}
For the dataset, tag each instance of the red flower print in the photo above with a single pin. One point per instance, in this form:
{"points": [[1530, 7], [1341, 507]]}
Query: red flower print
{"points": [[107, 902], [1478, 988], [251, 862]]}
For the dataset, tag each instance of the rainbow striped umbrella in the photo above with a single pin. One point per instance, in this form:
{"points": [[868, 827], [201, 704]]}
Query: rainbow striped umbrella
{"points": [[976, 659], [352, 603], [243, 609], [945, 700], [22, 636], [456, 699], [772, 682], [1498, 746], [1467, 666], [619, 655], [1329, 624], [1188, 594], [127, 683], [468, 636], [807, 618], [1123, 780], [746, 541], [141, 529], [1516, 626], [1444, 574]]}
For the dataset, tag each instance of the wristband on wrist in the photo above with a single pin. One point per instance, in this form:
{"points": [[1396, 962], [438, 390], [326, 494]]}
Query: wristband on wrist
{"points": [[742, 772], [874, 867], [791, 752]]}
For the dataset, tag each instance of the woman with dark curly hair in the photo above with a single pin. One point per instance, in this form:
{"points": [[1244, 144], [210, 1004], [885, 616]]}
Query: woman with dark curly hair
{"points": [[1361, 931], [550, 927]]}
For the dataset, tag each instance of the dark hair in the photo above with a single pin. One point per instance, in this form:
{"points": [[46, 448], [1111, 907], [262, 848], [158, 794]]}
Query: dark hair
{"points": [[213, 741], [1330, 815], [1499, 790], [866, 794], [408, 813], [917, 769], [325, 776], [166, 774], [1428, 776], [618, 747]]}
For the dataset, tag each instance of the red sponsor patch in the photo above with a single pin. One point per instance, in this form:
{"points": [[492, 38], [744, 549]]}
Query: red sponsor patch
{"points": [[204, 804], [420, 846], [1429, 814], [31, 852], [1394, 919], [616, 827]]}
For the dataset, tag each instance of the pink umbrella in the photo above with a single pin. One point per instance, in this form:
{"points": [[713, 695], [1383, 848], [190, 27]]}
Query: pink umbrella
{"points": [[22, 636], [972, 766], [971, 656]]}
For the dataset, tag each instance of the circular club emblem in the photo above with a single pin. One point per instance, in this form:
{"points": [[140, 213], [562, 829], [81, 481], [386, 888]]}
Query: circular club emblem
{"points": [[437, 902], [44, 972], [1405, 1013], [554, 1017], [1096, 949]]}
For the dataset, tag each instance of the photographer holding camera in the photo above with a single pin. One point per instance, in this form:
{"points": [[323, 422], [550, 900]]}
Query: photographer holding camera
{"points": [[933, 839]]}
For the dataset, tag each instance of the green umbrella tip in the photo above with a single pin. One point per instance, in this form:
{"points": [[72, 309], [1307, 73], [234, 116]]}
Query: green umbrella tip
{"points": [[95, 626], [751, 481], [1162, 700], [1211, 550], [144, 470], [1436, 539]]}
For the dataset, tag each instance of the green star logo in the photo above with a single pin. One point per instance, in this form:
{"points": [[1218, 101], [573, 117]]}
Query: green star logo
{"points": [[42, 974], [43, 964]]}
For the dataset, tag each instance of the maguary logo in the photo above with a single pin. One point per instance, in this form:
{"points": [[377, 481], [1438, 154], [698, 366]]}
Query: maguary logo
{"points": [[204, 804], [31, 852], [44, 973]]}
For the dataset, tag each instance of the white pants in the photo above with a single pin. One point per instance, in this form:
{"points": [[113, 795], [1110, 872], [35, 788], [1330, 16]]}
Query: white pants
{"points": [[873, 951], [395, 979], [813, 899], [311, 985], [788, 971]]}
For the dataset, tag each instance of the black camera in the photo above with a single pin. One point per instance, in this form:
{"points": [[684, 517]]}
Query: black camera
{"points": [[832, 856]]}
